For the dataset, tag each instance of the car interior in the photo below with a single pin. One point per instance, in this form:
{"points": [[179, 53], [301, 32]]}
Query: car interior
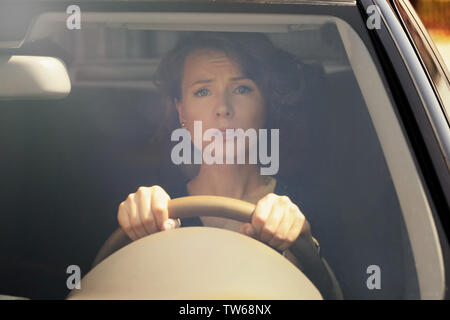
{"points": [[68, 163]]}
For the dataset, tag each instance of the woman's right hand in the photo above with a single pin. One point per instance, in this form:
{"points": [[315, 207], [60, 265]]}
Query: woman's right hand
{"points": [[145, 212]]}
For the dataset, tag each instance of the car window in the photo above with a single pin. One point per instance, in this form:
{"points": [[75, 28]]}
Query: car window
{"points": [[342, 154]]}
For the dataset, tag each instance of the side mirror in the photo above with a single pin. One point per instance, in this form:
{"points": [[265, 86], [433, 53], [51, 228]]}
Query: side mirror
{"points": [[30, 77]]}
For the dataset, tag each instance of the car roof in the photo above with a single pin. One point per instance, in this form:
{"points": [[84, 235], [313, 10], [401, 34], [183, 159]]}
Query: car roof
{"points": [[214, 1]]}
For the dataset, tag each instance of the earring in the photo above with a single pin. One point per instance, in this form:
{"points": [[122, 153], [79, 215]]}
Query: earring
{"points": [[183, 124]]}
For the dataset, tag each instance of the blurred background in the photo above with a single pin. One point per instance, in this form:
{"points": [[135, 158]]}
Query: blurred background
{"points": [[435, 15]]}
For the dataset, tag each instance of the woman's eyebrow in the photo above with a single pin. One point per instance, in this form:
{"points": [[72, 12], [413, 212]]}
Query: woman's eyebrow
{"points": [[212, 80], [201, 82], [240, 78]]}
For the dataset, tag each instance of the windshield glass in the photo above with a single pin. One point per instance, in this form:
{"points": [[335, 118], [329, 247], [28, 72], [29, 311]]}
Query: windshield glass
{"points": [[318, 119]]}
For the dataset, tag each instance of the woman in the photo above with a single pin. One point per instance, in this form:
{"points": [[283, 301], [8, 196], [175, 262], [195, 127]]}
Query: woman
{"points": [[229, 81]]}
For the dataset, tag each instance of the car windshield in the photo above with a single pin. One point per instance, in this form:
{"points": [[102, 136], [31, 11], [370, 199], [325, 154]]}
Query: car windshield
{"points": [[340, 149]]}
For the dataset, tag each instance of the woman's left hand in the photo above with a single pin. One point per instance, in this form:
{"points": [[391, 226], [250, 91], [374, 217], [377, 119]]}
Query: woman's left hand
{"points": [[277, 221]]}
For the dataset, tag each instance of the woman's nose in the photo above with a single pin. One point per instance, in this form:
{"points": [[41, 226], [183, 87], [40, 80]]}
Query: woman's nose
{"points": [[224, 107], [226, 113]]}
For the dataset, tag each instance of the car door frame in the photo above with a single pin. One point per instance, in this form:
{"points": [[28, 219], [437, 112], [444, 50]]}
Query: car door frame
{"points": [[420, 108]]}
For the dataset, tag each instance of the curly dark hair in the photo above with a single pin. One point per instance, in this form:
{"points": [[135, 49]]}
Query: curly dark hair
{"points": [[277, 73]]}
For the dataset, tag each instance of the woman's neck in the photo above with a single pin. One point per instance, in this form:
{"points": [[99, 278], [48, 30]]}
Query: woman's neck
{"points": [[235, 181]]}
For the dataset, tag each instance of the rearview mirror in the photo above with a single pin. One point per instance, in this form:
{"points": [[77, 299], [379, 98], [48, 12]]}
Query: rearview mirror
{"points": [[31, 77]]}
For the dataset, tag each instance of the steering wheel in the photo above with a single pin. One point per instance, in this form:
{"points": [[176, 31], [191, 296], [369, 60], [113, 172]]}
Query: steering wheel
{"points": [[186, 207], [194, 262]]}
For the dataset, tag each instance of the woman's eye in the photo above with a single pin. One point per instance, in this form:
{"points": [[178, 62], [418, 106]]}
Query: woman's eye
{"points": [[202, 92], [243, 90]]}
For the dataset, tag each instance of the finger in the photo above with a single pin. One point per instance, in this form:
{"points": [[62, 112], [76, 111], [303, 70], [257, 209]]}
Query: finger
{"points": [[124, 221], [143, 196], [159, 206], [284, 246], [135, 221], [170, 224], [261, 213], [280, 238], [273, 221], [294, 233]]}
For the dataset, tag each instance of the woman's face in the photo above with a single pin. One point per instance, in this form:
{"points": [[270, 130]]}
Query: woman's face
{"points": [[216, 92]]}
